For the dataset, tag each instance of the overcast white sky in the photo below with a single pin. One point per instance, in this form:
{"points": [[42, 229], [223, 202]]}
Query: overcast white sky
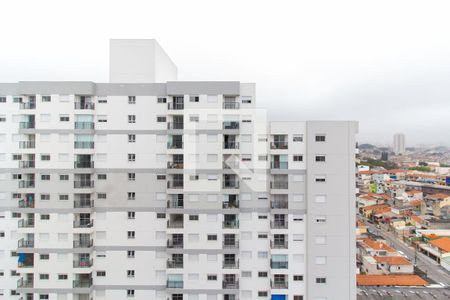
{"points": [[383, 63]]}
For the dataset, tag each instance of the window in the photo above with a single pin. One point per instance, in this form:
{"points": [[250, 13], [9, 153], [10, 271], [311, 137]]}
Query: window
{"points": [[320, 137], [131, 195], [131, 157], [131, 254], [131, 99], [193, 217], [246, 99], [131, 176], [212, 277], [44, 276], [130, 293], [102, 119], [131, 215], [212, 237], [194, 118], [45, 217], [320, 178], [321, 219], [262, 217], [45, 177], [194, 98], [43, 297], [162, 100], [262, 293], [2, 118], [45, 197], [321, 280], [131, 138], [102, 100], [64, 118], [2, 99], [62, 277], [298, 297], [101, 273], [101, 176], [297, 138], [160, 177], [320, 158], [160, 215], [130, 273], [262, 235], [63, 177], [131, 119], [160, 119], [46, 98], [131, 234], [262, 274], [101, 196], [45, 157], [64, 197], [298, 277], [44, 256], [298, 157]]}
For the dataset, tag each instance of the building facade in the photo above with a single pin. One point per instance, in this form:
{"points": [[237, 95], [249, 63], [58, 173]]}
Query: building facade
{"points": [[399, 143], [170, 190]]}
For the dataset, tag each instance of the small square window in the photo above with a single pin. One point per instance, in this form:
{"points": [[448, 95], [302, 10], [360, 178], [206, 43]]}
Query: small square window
{"points": [[131, 195], [131, 138], [131, 157], [162, 100], [131, 254], [131, 119], [320, 158], [193, 217], [320, 138], [212, 237], [131, 215], [130, 273], [131, 234], [46, 98], [62, 276], [161, 119], [45, 177], [298, 157], [212, 277], [131, 176], [64, 118], [131, 99], [160, 215], [101, 176], [101, 273], [64, 177]]}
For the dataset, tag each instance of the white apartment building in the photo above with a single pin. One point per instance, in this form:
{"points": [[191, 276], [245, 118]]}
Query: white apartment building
{"points": [[152, 188]]}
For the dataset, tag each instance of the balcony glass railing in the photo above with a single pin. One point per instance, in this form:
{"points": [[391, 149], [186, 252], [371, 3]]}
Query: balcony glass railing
{"points": [[279, 204], [175, 244], [279, 145], [230, 264], [230, 125], [84, 105], [172, 284], [83, 243], [175, 145], [178, 203], [26, 203], [279, 224], [27, 144], [26, 125], [26, 223], [230, 184], [83, 203], [175, 184], [84, 125], [83, 223], [230, 145], [82, 283], [24, 184], [279, 165], [230, 204], [26, 164], [28, 105], [279, 185], [279, 284], [175, 125], [175, 165], [175, 106], [174, 264], [175, 224], [279, 244], [230, 224], [23, 243], [83, 184], [83, 145], [278, 264], [230, 244], [230, 284], [83, 263], [83, 164], [24, 283], [231, 105]]}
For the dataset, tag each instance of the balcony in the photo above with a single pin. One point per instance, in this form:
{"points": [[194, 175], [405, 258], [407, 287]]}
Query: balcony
{"points": [[26, 223], [84, 283], [278, 284], [230, 164], [83, 263], [231, 224], [230, 204], [175, 145], [279, 145], [83, 164], [23, 243], [83, 184], [177, 203], [230, 264], [83, 244], [27, 144], [24, 283], [230, 125], [279, 165], [175, 244], [174, 264], [84, 125], [83, 203], [275, 244], [175, 224], [175, 106], [25, 184], [26, 125], [279, 224], [278, 264], [26, 203], [230, 145], [279, 204], [230, 184], [83, 145], [174, 284], [231, 105], [230, 284], [175, 165], [175, 125], [175, 184], [83, 223], [26, 164], [84, 105], [230, 244], [27, 105], [279, 185]]}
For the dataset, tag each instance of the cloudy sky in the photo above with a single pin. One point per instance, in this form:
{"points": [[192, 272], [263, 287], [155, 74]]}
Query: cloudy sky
{"points": [[383, 63]]}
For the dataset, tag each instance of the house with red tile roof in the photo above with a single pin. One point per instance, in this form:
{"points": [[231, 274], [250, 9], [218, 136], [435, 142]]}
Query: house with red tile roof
{"points": [[390, 280]]}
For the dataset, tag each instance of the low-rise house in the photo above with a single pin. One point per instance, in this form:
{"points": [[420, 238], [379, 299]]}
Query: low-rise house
{"points": [[437, 249], [390, 280], [437, 201], [394, 264], [370, 211], [414, 195], [369, 247], [361, 228]]}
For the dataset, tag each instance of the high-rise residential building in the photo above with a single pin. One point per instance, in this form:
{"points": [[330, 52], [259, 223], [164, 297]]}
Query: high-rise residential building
{"points": [[399, 143], [152, 188]]}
